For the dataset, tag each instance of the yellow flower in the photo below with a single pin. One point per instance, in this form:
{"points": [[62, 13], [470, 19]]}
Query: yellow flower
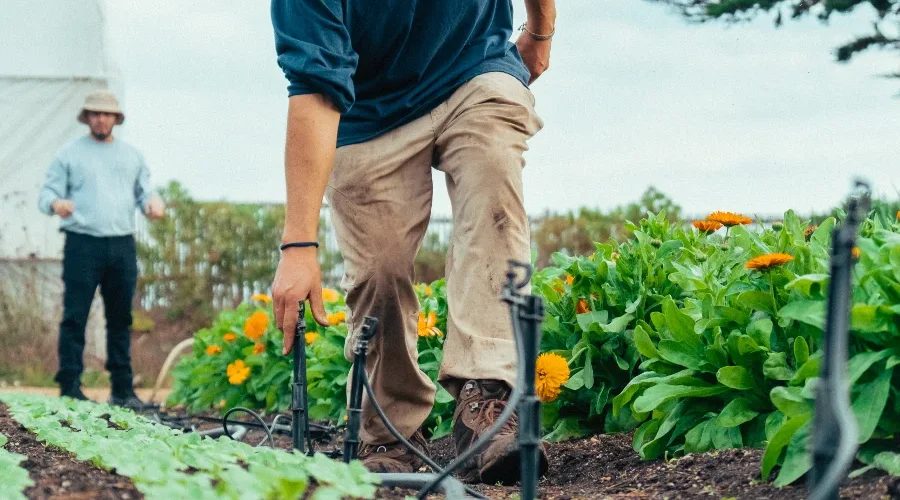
{"points": [[229, 337], [329, 295], [582, 306], [707, 226], [426, 326], [855, 253], [311, 337], [213, 350], [551, 372], [259, 348], [728, 218], [570, 279], [337, 318], [261, 297], [614, 257], [768, 261], [898, 214], [428, 291], [237, 372], [256, 325]]}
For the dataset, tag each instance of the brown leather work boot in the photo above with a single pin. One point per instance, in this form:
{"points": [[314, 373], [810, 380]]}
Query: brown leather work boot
{"points": [[394, 457], [479, 405]]}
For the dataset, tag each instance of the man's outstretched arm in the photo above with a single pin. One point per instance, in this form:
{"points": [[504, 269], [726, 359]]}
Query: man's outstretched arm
{"points": [[308, 158]]}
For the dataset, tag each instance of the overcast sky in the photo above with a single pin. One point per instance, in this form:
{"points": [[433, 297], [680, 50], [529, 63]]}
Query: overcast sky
{"points": [[744, 118]]}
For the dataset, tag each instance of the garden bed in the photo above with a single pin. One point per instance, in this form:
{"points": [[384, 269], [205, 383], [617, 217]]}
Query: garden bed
{"points": [[603, 466]]}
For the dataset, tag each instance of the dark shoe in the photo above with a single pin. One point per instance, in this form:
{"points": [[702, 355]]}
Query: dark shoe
{"points": [[74, 393], [131, 401], [479, 405], [394, 457]]}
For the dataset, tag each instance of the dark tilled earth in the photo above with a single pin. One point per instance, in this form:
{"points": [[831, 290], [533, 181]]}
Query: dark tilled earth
{"points": [[600, 467]]}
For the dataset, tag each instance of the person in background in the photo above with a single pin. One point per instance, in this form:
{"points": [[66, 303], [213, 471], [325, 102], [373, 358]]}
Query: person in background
{"points": [[381, 93], [94, 185]]}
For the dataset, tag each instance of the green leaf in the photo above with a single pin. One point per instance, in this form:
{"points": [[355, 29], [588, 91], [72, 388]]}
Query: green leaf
{"points": [[735, 377], [656, 395], [735, 413], [869, 403], [779, 441], [869, 318], [860, 363], [699, 439], [680, 353], [681, 325], [724, 438], [588, 319], [808, 370], [776, 368], [588, 372], [757, 300], [644, 344], [617, 325], [576, 381], [761, 331], [810, 285], [810, 312], [797, 461], [566, 428], [789, 401], [801, 351]]}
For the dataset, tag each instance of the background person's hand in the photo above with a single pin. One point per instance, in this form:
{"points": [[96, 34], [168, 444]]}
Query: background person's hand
{"points": [[156, 209], [297, 279], [535, 54], [63, 208]]}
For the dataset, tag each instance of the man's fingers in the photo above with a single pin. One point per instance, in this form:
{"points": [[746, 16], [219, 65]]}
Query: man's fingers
{"points": [[279, 310], [318, 306], [290, 324]]}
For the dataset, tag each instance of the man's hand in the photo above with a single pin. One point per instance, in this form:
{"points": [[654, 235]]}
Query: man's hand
{"points": [[63, 208], [156, 209], [535, 54], [297, 279]]}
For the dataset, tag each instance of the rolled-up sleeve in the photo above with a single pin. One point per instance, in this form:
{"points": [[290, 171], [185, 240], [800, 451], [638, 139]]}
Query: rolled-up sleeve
{"points": [[314, 49]]}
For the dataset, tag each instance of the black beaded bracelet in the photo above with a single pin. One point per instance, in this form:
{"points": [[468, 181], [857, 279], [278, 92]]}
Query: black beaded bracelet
{"points": [[300, 244]]}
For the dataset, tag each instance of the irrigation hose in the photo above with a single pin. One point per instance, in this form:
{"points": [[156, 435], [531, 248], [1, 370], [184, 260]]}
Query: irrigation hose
{"points": [[399, 437], [849, 432], [511, 406], [254, 415]]}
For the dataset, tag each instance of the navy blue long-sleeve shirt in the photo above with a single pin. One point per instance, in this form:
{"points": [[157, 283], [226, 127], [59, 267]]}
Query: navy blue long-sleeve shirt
{"points": [[384, 63]]}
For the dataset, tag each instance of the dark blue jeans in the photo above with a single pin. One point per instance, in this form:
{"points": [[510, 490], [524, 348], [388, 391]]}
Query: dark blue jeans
{"points": [[111, 264]]}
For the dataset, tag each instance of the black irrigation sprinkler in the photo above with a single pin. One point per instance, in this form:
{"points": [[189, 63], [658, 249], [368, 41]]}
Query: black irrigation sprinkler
{"points": [[299, 399], [835, 432], [354, 410]]}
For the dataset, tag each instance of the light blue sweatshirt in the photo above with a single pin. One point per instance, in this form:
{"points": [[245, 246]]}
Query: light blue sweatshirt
{"points": [[105, 180]]}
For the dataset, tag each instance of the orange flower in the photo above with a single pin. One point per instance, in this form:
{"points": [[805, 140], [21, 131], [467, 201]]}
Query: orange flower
{"points": [[311, 337], [428, 291], [768, 261], [855, 253], [898, 214], [551, 372], [808, 232], [582, 306], [329, 295], [256, 325], [728, 218], [229, 337], [237, 372], [213, 350], [261, 297], [337, 318], [570, 279], [426, 326], [707, 226], [259, 348]]}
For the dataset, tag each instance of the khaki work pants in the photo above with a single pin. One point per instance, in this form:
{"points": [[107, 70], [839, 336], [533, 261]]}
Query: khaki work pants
{"points": [[380, 194]]}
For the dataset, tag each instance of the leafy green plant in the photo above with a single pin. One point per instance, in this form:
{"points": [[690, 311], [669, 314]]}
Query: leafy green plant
{"points": [[176, 465], [13, 478]]}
